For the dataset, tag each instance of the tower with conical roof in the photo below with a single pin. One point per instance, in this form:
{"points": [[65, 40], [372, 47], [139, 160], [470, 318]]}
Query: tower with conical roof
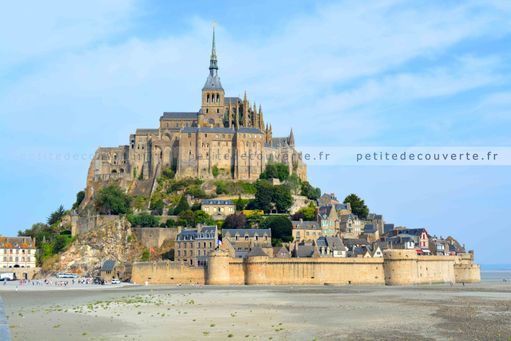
{"points": [[212, 109]]}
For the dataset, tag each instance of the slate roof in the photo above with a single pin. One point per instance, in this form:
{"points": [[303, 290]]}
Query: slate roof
{"points": [[205, 232], [369, 228], [412, 232], [228, 100], [279, 142], [147, 131], [303, 251], [220, 130], [388, 228], [108, 265], [339, 207], [216, 202], [306, 225], [335, 243], [212, 83], [249, 232], [325, 210], [257, 252], [179, 116]]}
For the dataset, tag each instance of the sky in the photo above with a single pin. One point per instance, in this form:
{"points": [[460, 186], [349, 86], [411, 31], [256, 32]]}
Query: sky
{"points": [[78, 75]]}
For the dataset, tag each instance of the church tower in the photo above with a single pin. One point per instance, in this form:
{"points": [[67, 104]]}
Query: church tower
{"points": [[212, 109]]}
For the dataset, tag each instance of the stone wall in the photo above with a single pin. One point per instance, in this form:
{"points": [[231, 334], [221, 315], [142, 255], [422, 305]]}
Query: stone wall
{"points": [[166, 272], [81, 224], [397, 267], [22, 273], [465, 270], [154, 236]]}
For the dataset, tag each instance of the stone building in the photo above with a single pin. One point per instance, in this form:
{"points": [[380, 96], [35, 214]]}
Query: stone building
{"points": [[193, 245], [17, 252], [226, 137], [218, 209], [239, 242], [305, 230]]}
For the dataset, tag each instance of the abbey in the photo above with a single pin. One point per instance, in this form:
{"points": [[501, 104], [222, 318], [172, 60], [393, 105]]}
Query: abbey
{"points": [[227, 138]]}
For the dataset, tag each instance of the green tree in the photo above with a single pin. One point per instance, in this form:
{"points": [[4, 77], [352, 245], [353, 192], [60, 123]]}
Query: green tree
{"points": [[221, 187], [140, 202], [358, 206], [182, 206], [282, 198], [201, 217], [143, 220], [281, 227], [312, 193], [112, 200], [157, 206], [275, 170], [168, 173], [235, 221], [56, 216], [264, 195], [79, 198], [306, 213], [186, 218], [255, 219], [146, 255], [60, 243], [294, 183], [215, 171], [241, 203]]}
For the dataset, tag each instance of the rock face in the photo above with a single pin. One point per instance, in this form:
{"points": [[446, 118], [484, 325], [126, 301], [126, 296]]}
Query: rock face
{"points": [[111, 239]]}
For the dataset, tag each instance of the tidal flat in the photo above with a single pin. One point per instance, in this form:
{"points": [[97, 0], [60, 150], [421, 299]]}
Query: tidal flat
{"points": [[479, 311]]}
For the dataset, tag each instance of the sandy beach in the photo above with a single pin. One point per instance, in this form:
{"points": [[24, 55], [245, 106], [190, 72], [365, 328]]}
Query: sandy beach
{"points": [[438, 312]]}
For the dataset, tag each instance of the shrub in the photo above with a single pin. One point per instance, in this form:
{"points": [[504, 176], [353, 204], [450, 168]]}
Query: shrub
{"points": [[310, 192], [79, 198], [56, 216], [146, 255], [235, 221], [157, 206], [181, 206], [112, 200], [168, 173], [215, 171], [281, 227], [143, 220]]}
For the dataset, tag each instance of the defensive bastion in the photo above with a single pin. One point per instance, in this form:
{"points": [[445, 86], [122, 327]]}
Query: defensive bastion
{"points": [[397, 267]]}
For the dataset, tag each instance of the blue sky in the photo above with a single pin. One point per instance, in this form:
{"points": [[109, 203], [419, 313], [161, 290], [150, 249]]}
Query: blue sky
{"points": [[75, 76]]}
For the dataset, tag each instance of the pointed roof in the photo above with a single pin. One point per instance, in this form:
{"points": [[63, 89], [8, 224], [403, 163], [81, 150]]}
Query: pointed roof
{"points": [[291, 138], [213, 61], [213, 81]]}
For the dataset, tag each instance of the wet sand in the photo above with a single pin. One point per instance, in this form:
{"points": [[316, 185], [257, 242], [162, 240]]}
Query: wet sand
{"points": [[438, 312]]}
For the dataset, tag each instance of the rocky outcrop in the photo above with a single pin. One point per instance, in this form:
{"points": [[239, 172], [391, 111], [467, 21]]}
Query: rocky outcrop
{"points": [[111, 239]]}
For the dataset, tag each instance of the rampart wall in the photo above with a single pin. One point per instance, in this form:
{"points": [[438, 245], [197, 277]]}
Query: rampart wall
{"points": [[397, 267]]}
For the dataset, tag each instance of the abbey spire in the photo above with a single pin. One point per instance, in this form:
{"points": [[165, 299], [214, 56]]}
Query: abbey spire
{"points": [[213, 61], [213, 108]]}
